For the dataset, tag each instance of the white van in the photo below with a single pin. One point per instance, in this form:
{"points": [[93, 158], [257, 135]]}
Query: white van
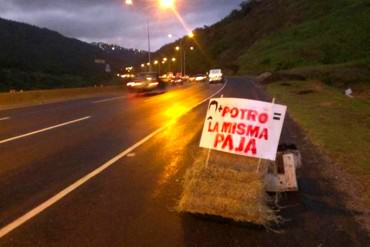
{"points": [[215, 76]]}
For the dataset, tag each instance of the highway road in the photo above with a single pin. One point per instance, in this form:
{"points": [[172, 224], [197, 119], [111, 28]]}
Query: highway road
{"points": [[107, 171]]}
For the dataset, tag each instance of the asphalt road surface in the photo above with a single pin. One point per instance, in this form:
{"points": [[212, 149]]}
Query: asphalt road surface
{"points": [[107, 172]]}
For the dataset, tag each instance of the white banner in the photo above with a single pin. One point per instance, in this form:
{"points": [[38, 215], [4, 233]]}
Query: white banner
{"points": [[243, 127]]}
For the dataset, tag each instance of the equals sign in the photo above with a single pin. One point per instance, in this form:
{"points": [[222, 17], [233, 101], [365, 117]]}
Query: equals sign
{"points": [[277, 116]]}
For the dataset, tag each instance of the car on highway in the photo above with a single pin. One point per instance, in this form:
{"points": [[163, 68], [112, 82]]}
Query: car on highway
{"points": [[200, 78], [177, 80], [216, 76], [146, 82]]}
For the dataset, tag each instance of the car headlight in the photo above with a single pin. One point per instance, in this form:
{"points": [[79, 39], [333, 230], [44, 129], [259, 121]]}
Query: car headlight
{"points": [[134, 84], [152, 84]]}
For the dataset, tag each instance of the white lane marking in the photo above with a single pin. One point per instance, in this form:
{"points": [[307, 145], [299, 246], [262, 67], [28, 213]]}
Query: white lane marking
{"points": [[43, 130], [35, 211], [130, 155], [109, 99], [4, 118], [46, 204]]}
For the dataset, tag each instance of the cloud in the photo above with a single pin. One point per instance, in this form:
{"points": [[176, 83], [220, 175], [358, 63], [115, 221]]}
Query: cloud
{"points": [[112, 22]]}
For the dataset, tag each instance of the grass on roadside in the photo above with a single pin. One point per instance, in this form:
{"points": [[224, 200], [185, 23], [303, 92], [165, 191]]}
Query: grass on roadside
{"points": [[338, 125], [339, 36]]}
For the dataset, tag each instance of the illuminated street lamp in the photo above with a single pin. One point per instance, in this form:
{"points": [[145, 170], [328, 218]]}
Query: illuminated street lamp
{"points": [[179, 48], [164, 62], [157, 63], [167, 4], [174, 67], [142, 67], [183, 51], [169, 64]]}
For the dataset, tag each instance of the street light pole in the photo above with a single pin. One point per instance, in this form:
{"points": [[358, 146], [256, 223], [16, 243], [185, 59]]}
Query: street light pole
{"points": [[130, 3], [191, 49], [182, 57], [149, 49], [165, 4], [183, 52], [191, 36], [184, 62]]}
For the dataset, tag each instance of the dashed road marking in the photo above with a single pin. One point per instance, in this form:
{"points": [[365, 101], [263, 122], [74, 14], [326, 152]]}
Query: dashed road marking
{"points": [[43, 130], [109, 99]]}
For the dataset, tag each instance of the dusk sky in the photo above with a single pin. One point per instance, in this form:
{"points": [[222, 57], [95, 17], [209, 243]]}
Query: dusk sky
{"points": [[111, 21]]}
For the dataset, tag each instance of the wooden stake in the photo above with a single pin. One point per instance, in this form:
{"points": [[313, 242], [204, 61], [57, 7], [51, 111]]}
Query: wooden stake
{"points": [[208, 156]]}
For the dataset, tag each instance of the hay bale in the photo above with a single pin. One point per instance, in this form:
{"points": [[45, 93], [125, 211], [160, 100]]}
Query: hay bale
{"points": [[226, 192]]}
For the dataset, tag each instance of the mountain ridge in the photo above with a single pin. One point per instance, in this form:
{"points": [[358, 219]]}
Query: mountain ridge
{"points": [[38, 58]]}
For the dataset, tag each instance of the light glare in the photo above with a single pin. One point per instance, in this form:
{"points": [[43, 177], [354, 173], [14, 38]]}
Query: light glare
{"points": [[167, 4]]}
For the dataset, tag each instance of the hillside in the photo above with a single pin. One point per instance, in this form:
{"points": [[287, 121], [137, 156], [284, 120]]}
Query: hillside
{"points": [[284, 34], [334, 32], [34, 58]]}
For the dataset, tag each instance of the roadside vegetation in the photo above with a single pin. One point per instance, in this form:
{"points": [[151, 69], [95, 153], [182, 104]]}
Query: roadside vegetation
{"points": [[337, 124], [340, 35]]}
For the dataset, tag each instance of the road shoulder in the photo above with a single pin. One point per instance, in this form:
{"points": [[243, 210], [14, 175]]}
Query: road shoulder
{"points": [[330, 121]]}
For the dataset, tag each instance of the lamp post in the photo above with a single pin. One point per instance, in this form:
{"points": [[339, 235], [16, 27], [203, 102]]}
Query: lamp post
{"points": [[191, 36], [164, 4], [191, 48], [149, 48], [173, 60], [164, 61], [183, 52], [181, 49], [157, 63]]}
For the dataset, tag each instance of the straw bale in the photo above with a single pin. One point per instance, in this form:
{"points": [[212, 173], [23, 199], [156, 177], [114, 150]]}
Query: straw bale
{"points": [[226, 192]]}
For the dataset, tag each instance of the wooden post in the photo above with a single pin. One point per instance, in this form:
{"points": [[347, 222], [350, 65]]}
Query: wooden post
{"points": [[208, 155]]}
